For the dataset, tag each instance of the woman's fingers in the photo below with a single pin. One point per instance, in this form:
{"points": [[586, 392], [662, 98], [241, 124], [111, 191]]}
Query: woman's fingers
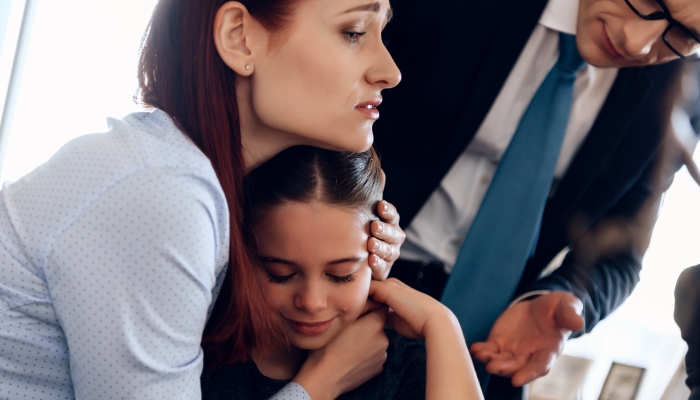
{"points": [[387, 212], [386, 242]]}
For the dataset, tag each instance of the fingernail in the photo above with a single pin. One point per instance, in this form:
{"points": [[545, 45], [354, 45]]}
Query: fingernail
{"points": [[375, 246], [380, 228], [375, 261], [386, 206]]}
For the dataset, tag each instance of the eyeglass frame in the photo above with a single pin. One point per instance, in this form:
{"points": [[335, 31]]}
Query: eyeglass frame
{"points": [[665, 14]]}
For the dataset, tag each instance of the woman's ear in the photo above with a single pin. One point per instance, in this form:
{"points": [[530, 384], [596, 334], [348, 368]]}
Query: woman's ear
{"points": [[236, 35]]}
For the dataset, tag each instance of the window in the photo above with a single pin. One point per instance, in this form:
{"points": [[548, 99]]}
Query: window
{"points": [[80, 68]]}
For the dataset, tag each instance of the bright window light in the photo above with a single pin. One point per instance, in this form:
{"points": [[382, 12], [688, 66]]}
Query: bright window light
{"points": [[80, 68]]}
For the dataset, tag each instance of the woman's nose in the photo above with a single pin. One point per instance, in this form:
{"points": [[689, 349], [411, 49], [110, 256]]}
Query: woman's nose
{"points": [[311, 299], [384, 73], [640, 35]]}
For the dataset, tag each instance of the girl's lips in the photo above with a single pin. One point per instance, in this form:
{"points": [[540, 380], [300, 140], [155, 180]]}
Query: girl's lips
{"points": [[310, 328]]}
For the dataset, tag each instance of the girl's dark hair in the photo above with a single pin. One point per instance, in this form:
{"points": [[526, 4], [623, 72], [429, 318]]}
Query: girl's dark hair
{"points": [[181, 73], [305, 174]]}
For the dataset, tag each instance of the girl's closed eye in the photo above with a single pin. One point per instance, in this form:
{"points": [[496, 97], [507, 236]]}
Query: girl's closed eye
{"points": [[279, 278], [341, 279]]}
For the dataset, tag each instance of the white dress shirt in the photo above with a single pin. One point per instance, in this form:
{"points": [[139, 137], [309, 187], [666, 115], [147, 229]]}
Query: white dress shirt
{"points": [[111, 254], [438, 230]]}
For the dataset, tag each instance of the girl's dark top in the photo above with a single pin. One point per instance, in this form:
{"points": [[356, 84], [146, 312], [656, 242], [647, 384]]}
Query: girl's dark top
{"points": [[403, 377]]}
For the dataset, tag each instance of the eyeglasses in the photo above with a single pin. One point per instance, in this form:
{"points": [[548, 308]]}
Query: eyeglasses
{"points": [[681, 40]]}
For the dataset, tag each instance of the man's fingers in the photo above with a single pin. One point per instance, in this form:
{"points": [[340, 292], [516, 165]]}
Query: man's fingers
{"points": [[508, 364], [484, 346], [569, 314]]}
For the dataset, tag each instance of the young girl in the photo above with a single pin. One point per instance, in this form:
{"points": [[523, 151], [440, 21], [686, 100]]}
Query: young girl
{"points": [[310, 211]]}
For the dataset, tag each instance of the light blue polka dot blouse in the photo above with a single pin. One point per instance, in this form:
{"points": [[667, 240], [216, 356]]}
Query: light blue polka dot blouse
{"points": [[110, 254]]}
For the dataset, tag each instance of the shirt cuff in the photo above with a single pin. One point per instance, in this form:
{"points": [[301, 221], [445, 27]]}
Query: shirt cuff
{"points": [[528, 295], [291, 391]]}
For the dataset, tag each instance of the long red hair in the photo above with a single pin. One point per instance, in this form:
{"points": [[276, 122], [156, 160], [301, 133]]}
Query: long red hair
{"points": [[181, 73]]}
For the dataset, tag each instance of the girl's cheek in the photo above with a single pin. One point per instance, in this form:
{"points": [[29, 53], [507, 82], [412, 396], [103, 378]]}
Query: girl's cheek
{"points": [[357, 294], [276, 296]]}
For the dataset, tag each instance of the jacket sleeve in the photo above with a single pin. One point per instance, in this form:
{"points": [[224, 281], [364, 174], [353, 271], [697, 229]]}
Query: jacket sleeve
{"points": [[604, 263]]}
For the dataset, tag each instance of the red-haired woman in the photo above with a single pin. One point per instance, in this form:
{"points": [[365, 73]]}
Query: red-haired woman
{"points": [[112, 252]]}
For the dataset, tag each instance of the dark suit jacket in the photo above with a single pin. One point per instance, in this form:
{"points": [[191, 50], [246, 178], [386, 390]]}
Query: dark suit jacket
{"points": [[687, 315], [455, 57]]}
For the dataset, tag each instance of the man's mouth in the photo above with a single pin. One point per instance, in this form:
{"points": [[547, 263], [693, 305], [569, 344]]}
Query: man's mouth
{"points": [[608, 46]]}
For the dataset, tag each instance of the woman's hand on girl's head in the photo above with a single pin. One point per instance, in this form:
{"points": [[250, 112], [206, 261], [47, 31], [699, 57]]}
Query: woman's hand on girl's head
{"points": [[411, 311], [385, 245]]}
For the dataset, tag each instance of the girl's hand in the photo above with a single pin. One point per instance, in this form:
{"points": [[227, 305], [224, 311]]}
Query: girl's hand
{"points": [[412, 312], [449, 370], [352, 358]]}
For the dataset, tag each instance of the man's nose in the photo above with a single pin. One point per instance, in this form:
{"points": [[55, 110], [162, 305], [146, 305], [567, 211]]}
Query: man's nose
{"points": [[640, 35], [312, 298]]}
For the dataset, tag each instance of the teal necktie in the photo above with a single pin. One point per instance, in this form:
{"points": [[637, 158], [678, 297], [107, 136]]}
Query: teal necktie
{"points": [[504, 232]]}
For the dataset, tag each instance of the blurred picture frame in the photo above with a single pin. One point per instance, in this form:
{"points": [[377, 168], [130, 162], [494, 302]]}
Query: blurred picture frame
{"points": [[622, 382], [564, 381]]}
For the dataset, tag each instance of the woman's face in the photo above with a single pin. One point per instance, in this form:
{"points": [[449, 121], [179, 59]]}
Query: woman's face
{"points": [[317, 289], [320, 79]]}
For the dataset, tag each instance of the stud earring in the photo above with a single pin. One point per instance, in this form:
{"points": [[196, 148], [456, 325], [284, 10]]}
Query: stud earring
{"points": [[247, 67]]}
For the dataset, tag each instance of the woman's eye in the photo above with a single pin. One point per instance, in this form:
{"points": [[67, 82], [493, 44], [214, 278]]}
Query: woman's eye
{"points": [[353, 37], [341, 279], [279, 279]]}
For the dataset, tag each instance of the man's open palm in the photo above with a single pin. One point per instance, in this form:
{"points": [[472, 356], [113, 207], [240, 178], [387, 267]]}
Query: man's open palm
{"points": [[528, 337]]}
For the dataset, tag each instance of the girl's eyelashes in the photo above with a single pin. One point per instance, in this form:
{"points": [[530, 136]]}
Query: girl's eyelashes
{"points": [[279, 279], [341, 279], [353, 37]]}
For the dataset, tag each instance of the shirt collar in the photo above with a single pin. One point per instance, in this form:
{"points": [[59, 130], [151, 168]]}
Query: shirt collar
{"points": [[561, 16]]}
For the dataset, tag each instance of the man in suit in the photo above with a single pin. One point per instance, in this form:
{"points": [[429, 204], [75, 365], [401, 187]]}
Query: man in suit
{"points": [[472, 76], [687, 316]]}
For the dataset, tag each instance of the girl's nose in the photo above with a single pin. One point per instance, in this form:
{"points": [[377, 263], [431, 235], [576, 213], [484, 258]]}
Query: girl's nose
{"points": [[311, 299]]}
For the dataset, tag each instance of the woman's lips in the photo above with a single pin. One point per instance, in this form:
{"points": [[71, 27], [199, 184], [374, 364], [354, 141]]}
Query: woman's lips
{"points": [[310, 328], [608, 47], [369, 108]]}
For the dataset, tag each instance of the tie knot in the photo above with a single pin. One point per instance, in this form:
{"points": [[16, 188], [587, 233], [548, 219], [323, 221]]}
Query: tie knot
{"points": [[570, 59]]}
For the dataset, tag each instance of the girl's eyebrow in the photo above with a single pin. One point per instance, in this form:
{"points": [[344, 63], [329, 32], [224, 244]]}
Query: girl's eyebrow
{"points": [[345, 260], [279, 261]]}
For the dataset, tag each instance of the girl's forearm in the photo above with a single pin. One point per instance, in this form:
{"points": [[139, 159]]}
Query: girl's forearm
{"points": [[450, 372]]}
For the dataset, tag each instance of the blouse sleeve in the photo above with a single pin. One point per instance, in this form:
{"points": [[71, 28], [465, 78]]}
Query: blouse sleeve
{"points": [[291, 391], [131, 280]]}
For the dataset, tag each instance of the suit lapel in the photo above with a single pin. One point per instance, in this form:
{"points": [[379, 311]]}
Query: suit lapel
{"points": [[627, 96]]}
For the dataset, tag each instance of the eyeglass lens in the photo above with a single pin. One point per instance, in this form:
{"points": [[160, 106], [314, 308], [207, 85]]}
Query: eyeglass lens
{"points": [[675, 36]]}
